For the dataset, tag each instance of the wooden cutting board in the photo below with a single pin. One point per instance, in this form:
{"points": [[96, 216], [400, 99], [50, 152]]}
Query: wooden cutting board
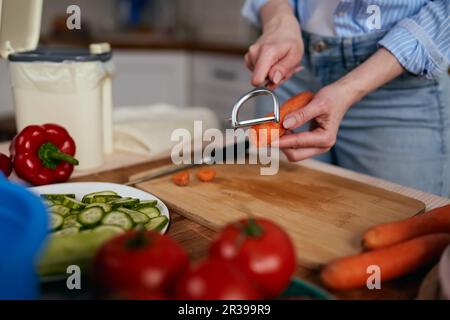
{"points": [[324, 214]]}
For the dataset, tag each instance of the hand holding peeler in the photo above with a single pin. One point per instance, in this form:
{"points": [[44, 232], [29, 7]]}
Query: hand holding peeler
{"points": [[260, 91]]}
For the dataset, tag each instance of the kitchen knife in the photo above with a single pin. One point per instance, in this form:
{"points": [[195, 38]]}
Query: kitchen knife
{"points": [[168, 169]]}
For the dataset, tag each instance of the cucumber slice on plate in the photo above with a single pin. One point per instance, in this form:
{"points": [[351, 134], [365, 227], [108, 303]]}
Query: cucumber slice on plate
{"points": [[124, 202], [151, 212], [71, 221], [145, 203], [88, 198], [101, 199], [90, 217], [66, 231], [136, 216], [117, 218], [106, 207], [73, 203], [59, 209], [56, 221], [157, 224], [115, 229]]}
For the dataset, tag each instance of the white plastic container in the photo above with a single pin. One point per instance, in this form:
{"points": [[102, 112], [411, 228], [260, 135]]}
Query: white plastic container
{"points": [[69, 87]]}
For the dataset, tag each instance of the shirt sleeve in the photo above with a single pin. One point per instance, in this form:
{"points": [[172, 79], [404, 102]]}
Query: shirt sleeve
{"points": [[251, 9], [421, 42]]}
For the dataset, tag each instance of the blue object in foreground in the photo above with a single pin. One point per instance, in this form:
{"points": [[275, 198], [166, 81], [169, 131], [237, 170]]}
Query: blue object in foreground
{"points": [[23, 228]]}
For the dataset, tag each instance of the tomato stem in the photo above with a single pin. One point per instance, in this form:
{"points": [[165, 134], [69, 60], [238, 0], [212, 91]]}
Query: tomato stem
{"points": [[139, 240], [252, 229]]}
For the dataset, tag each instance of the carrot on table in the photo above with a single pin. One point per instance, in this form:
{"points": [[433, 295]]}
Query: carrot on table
{"points": [[434, 221], [261, 134], [206, 174], [181, 178], [394, 261]]}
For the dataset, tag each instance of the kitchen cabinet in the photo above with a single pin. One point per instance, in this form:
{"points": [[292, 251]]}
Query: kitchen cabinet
{"points": [[6, 99], [148, 77], [218, 82]]}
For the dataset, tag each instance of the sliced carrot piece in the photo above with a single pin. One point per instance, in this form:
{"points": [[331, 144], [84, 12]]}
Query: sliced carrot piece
{"points": [[181, 178], [206, 174]]}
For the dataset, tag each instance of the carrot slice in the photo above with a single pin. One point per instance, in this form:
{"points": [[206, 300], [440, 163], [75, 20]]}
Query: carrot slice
{"points": [[206, 174], [434, 221], [393, 261], [261, 134], [181, 178]]}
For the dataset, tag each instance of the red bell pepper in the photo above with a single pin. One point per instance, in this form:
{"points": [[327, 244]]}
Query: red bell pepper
{"points": [[5, 164], [43, 154]]}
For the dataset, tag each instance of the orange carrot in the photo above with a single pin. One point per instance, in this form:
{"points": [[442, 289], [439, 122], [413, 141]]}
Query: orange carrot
{"points": [[395, 261], [259, 132], [206, 174], [434, 221], [181, 178]]}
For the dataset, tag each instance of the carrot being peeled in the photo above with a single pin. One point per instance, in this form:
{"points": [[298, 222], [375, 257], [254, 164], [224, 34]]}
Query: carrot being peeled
{"points": [[393, 262], [433, 221], [261, 134]]}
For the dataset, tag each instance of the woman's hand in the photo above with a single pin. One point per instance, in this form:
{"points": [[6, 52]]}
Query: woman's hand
{"points": [[329, 105], [277, 53], [325, 112]]}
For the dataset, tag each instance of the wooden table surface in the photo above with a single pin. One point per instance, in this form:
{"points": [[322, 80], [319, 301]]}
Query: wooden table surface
{"points": [[196, 238]]}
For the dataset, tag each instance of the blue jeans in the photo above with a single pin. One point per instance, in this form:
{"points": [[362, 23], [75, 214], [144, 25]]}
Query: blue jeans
{"points": [[399, 132]]}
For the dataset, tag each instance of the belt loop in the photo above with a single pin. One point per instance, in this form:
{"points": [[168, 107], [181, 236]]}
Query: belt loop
{"points": [[348, 53]]}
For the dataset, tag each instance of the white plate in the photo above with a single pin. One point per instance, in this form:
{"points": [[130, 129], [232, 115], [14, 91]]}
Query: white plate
{"points": [[82, 188]]}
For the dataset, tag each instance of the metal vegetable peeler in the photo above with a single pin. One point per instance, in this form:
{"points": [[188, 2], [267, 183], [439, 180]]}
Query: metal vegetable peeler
{"points": [[260, 91]]}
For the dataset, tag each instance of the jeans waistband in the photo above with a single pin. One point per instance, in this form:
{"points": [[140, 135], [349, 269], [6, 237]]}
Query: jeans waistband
{"points": [[350, 51]]}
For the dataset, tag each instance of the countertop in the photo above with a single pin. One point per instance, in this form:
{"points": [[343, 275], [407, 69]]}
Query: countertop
{"points": [[127, 41], [196, 238]]}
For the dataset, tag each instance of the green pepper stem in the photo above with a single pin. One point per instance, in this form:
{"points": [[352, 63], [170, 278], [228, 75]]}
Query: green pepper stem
{"points": [[51, 156], [58, 155]]}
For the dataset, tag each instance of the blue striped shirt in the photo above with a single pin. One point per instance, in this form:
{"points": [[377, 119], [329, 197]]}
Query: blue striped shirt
{"points": [[418, 31]]}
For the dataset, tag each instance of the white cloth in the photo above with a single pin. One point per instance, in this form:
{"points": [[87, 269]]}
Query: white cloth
{"points": [[321, 21], [147, 129]]}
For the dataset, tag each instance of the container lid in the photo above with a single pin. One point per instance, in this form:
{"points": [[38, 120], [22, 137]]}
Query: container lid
{"points": [[60, 55], [20, 25]]}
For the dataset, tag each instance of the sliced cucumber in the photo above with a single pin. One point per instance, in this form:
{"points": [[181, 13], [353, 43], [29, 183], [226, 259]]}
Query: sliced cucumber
{"points": [[136, 216], [91, 217], [48, 203], [71, 221], [145, 203], [117, 218], [151, 212], [157, 224], [56, 221], [124, 202], [73, 203], [88, 198], [66, 231], [101, 199], [59, 209], [106, 207], [57, 196], [111, 228]]}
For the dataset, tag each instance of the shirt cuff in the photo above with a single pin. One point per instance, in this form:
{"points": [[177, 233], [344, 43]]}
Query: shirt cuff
{"points": [[251, 9], [414, 49]]}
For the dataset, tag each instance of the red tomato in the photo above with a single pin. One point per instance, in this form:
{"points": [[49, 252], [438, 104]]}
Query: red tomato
{"points": [[139, 261], [215, 279], [261, 249]]}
